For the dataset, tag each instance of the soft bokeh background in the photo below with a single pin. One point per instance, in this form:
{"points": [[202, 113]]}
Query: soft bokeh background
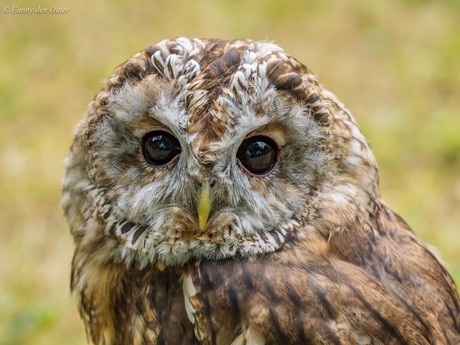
{"points": [[395, 64]]}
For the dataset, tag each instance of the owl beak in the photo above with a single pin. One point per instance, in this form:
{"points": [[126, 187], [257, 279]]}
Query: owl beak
{"points": [[204, 204]]}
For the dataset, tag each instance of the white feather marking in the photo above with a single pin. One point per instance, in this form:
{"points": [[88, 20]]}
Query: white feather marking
{"points": [[353, 161], [268, 48], [189, 291], [191, 69], [262, 71], [249, 337], [284, 230], [271, 240], [175, 65], [239, 82], [253, 337], [249, 57], [355, 147], [185, 44], [158, 62]]}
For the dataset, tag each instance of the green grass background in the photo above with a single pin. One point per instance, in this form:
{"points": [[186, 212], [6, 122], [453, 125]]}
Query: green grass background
{"points": [[395, 64]]}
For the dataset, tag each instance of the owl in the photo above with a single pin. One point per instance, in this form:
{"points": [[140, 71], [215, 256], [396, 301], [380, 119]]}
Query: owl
{"points": [[218, 194]]}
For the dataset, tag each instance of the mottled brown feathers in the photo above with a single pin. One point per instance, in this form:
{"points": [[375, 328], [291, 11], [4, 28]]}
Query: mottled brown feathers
{"points": [[151, 310], [369, 285], [202, 248]]}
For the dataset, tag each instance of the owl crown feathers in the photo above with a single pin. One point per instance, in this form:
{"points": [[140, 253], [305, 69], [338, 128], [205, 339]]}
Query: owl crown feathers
{"points": [[208, 99]]}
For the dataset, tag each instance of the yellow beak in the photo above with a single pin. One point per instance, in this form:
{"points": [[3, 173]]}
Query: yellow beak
{"points": [[204, 204]]}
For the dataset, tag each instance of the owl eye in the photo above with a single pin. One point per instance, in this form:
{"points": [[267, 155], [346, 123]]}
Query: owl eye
{"points": [[160, 147], [258, 154]]}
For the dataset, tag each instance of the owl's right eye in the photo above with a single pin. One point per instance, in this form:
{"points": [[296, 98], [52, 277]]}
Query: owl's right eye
{"points": [[160, 147], [258, 154]]}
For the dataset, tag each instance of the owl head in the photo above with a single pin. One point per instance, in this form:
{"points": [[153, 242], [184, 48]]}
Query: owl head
{"points": [[213, 149]]}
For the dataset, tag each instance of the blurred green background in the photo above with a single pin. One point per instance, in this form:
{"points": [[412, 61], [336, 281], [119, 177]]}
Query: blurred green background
{"points": [[395, 64]]}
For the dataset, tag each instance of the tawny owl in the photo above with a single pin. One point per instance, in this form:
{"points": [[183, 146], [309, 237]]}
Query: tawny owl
{"points": [[218, 194]]}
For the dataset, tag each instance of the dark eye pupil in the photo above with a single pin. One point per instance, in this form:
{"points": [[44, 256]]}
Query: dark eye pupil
{"points": [[258, 154], [160, 147]]}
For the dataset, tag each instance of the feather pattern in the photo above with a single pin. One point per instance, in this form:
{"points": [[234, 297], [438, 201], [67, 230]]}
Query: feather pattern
{"points": [[303, 253]]}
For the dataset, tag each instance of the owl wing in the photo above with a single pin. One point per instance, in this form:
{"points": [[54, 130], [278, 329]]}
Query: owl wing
{"points": [[369, 283]]}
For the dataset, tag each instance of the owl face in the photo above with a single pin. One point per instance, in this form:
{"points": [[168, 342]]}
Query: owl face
{"points": [[211, 149]]}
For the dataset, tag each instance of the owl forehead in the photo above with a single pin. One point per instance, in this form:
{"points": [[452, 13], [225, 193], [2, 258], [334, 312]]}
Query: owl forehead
{"points": [[221, 85], [208, 88]]}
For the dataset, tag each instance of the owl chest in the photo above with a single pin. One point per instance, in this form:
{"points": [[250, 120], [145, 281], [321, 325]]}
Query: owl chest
{"points": [[171, 307], [151, 310]]}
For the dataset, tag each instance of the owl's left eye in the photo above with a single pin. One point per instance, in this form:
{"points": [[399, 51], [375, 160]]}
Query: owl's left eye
{"points": [[160, 147], [258, 154]]}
